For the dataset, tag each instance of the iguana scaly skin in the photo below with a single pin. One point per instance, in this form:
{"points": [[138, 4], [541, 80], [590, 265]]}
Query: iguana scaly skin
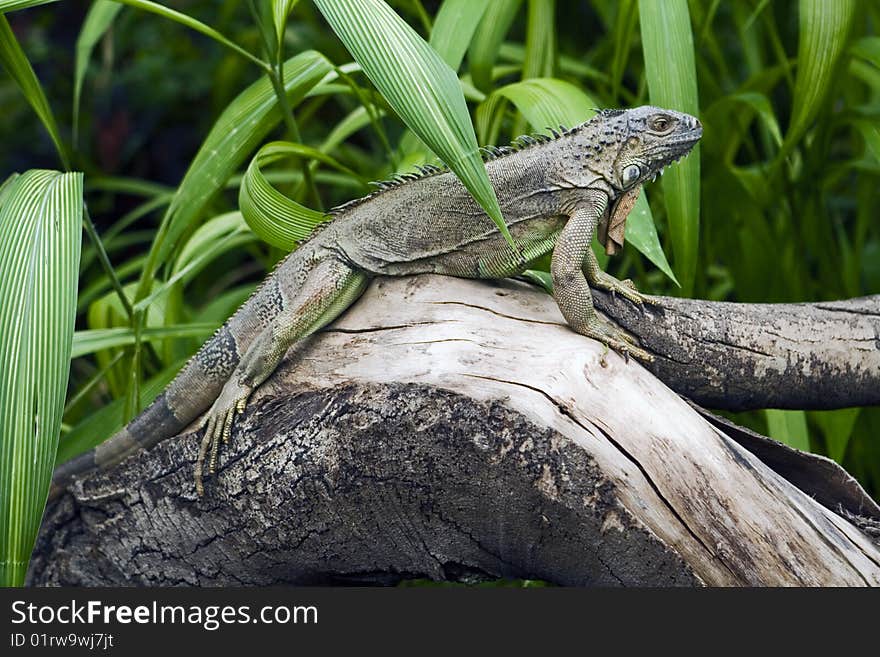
{"points": [[553, 192]]}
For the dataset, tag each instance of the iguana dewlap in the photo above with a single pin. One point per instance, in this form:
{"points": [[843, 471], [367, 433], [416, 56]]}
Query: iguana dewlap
{"points": [[553, 192]]}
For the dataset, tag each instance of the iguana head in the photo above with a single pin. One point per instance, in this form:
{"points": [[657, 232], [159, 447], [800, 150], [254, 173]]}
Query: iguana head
{"points": [[655, 137], [627, 148], [635, 145]]}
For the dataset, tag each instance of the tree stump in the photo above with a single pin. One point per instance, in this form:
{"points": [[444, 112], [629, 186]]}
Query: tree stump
{"points": [[459, 430]]}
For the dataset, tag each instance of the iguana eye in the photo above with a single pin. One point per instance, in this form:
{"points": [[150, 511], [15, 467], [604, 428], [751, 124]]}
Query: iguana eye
{"points": [[661, 123], [630, 174]]}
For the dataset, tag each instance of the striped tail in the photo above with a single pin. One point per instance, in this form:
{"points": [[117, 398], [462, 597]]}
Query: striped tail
{"points": [[156, 423], [194, 389]]}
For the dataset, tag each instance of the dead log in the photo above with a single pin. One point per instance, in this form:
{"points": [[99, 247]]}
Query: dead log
{"points": [[741, 356], [456, 429]]}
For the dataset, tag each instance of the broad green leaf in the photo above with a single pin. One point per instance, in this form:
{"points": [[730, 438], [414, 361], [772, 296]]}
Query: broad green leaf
{"points": [[425, 92], [236, 133], [549, 103], [670, 70], [822, 36], [98, 21], [90, 341], [789, 427], [641, 232], [486, 43], [40, 236], [274, 217], [19, 68], [454, 28]]}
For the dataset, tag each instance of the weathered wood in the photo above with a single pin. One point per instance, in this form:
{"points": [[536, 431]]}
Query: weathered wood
{"points": [[451, 429], [741, 356]]}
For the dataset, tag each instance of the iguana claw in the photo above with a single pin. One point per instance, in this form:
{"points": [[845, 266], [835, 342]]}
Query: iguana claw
{"points": [[614, 338], [625, 288], [217, 425]]}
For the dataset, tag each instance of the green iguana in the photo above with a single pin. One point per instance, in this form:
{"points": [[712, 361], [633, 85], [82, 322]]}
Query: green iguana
{"points": [[554, 192]]}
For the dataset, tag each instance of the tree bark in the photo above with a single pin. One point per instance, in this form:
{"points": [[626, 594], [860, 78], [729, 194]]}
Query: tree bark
{"points": [[458, 429], [741, 356]]}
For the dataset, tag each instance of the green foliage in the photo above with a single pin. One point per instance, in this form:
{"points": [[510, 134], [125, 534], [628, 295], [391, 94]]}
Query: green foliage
{"points": [[213, 140], [40, 219]]}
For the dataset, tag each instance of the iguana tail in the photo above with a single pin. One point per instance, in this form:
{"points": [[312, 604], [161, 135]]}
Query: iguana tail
{"points": [[194, 388]]}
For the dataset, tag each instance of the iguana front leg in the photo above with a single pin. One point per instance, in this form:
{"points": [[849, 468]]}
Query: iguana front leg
{"points": [[330, 288], [570, 287], [605, 281]]}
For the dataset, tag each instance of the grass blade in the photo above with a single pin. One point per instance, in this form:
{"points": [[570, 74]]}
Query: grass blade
{"points": [[90, 341], [454, 28], [668, 48], [98, 21], [822, 36], [40, 235], [540, 55], [280, 11], [243, 124], [19, 68], [487, 41], [425, 92]]}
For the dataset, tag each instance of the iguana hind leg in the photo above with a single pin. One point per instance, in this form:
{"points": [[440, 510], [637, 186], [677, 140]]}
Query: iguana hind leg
{"points": [[331, 287]]}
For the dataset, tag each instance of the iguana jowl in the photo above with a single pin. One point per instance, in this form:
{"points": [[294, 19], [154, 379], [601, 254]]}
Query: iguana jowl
{"points": [[553, 192]]}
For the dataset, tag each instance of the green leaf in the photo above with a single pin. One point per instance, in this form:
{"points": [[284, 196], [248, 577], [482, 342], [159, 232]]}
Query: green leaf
{"points": [[40, 236], [670, 70], [280, 11], [868, 48], [454, 28], [548, 103], [486, 43], [822, 35], [90, 341], [538, 277], [12, 5], [98, 21], [274, 217], [223, 233], [641, 232], [789, 427], [540, 55], [19, 68], [425, 92], [837, 427], [240, 128]]}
